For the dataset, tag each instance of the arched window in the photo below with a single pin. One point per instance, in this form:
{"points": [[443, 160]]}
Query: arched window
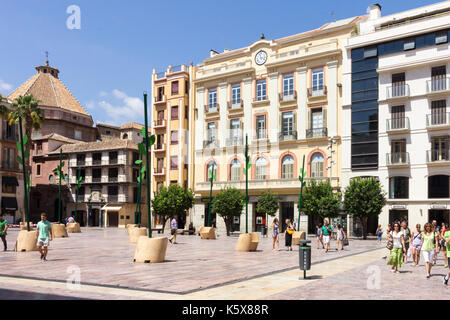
{"points": [[287, 167], [125, 136], [50, 178], [261, 168], [317, 165], [235, 170], [212, 167]]}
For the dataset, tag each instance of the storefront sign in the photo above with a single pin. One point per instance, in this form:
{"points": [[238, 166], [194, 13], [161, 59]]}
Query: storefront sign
{"points": [[438, 206]]}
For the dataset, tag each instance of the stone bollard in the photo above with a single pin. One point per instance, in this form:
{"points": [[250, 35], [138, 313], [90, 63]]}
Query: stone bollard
{"points": [[135, 233], [59, 230], [297, 236], [207, 233], [254, 241], [150, 250], [73, 227], [26, 241], [128, 227]]}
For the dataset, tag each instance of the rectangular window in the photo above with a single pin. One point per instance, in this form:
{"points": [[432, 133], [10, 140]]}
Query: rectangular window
{"points": [[288, 123], [175, 87], [441, 37], [260, 127], [370, 52], [212, 98], [160, 93], [288, 85], [174, 162], [398, 120], [38, 170], [235, 173], [236, 94], [174, 137], [317, 81], [399, 188], [77, 135], [409, 44], [9, 131], [261, 90], [211, 131], [235, 128], [438, 114], [439, 149], [186, 87], [8, 188], [186, 112], [174, 113]]}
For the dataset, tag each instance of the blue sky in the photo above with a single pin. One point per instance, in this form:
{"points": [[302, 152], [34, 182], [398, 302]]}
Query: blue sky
{"points": [[107, 64]]}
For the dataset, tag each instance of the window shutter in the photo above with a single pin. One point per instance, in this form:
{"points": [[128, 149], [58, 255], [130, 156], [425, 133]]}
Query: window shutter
{"points": [[294, 121], [281, 122], [324, 116]]}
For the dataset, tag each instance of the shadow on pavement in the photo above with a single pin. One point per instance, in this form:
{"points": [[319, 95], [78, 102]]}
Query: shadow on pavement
{"points": [[6, 294]]}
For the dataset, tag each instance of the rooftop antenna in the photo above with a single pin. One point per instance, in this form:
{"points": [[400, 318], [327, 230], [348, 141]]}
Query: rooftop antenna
{"points": [[332, 15]]}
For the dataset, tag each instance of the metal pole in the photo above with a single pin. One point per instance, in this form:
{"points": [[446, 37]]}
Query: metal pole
{"points": [[210, 196], [76, 192], [24, 172], [148, 161], [246, 183], [59, 189]]}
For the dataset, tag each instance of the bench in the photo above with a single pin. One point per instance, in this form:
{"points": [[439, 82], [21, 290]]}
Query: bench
{"points": [[158, 227]]}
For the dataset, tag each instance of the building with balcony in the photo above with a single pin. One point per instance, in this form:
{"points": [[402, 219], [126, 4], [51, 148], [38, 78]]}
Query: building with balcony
{"points": [[396, 98], [109, 188], [172, 124], [284, 95], [12, 193]]}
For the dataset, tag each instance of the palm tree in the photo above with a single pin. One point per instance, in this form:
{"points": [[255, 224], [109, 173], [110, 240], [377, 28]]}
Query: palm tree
{"points": [[26, 107]]}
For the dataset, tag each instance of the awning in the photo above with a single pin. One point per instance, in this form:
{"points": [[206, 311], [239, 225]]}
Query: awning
{"points": [[108, 208], [10, 181], [9, 203]]}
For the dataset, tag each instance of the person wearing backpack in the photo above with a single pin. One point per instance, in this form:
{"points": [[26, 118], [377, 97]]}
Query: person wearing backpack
{"points": [[430, 246]]}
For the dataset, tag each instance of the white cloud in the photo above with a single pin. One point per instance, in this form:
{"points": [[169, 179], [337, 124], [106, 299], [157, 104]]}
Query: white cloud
{"points": [[5, 86], [122, 110]]}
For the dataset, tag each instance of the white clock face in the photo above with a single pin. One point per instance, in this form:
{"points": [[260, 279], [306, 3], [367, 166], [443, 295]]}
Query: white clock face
{"points": [[261, 57]]}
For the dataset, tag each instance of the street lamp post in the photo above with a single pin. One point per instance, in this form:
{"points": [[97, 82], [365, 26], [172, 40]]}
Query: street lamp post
{"points": [[246, 169], [302, 182], [211, 179]]}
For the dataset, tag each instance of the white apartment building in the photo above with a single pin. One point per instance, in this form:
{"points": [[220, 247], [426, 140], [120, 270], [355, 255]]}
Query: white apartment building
{"points": [[396, 98]]}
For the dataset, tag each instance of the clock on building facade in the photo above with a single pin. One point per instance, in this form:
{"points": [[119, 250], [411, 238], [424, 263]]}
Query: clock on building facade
{"points": [[261, 57]]}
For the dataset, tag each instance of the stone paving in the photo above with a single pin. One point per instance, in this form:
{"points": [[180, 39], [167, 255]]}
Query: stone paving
{"points": [[201, 269], [105, 256]]}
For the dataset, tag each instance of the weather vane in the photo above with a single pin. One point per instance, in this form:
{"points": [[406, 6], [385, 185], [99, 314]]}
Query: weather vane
{"points": [[46, 55]]}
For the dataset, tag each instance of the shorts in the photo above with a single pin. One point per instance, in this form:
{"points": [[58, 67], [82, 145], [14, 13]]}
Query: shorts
{"points": [[417, 246], [326, 239], [428, 255], [406, 246], [173, 231], [42, 242]]}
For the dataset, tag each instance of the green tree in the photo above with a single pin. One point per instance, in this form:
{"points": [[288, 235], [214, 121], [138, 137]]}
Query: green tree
{"points": [[171, 201], [363, 198], [319, 200], [26, 107], [267, 203], [228, 203]]}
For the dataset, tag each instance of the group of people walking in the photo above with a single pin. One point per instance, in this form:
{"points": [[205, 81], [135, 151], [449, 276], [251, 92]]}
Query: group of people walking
{"points": [[324, 235], [402, 243]]}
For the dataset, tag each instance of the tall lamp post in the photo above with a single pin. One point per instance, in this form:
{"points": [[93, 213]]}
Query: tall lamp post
{"points": [[212, 176], [246, 169], [301, 177]]}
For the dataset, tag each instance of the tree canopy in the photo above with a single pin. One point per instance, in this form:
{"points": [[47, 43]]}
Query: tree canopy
{"points": [[267, 203], [320, 200], [364, 197], [172, 200], [228, 203]]}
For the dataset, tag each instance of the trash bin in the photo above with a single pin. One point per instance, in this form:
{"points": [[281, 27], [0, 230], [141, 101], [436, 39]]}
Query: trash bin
{"points": [[304, 256]]}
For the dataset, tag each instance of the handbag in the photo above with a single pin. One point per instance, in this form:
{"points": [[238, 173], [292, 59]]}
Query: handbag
{"points": [[390, 245], [345, 242], [289, 231]]}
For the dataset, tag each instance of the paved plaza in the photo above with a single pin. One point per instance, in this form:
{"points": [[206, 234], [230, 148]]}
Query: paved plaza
{"points": [[208, 269]]}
